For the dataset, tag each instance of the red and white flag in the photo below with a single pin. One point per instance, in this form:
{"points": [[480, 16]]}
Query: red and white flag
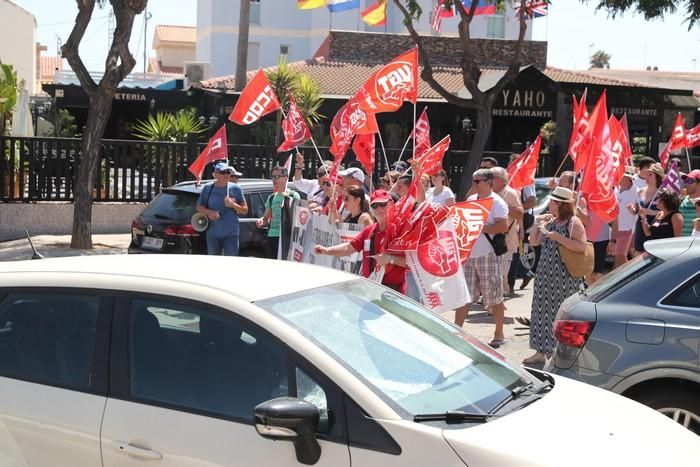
{"points": [[430, 162], [422, 132], [677, 141], [469, 218], [296, 131], [692, 137], [391, 85], [438, 272], [256, 100], [364, 150], [350, 120], [521, 172], [621, 152], [217, 149], [580, 134]]}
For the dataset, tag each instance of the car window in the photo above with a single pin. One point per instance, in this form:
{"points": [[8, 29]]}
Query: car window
{"points": [[48, 338], [202, 360], [615, 279], [688, 295], [176, 206], [256, 204]]}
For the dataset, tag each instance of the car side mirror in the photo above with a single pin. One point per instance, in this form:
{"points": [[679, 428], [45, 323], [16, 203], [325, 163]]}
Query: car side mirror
{"points": [[290, 419]]}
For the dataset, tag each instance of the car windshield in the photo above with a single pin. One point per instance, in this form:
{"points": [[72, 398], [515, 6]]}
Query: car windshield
{"points": [[176, 206], [620, 276], [415, 361]]}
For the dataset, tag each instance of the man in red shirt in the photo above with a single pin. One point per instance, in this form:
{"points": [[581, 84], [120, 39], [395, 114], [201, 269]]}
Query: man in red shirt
{"points": [[372, 242]]}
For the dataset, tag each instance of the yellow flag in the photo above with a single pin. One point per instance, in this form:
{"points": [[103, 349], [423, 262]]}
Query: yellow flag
{"points": [[309, 4], [375, 15]]}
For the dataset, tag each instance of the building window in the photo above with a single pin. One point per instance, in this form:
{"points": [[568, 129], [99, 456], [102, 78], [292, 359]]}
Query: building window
{"points": [[253, 55], [284, 51], [496, 27], [255, 12]]}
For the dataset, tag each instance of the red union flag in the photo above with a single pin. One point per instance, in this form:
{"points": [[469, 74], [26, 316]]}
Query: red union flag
{"points": [[364, 150], [438, 272], [296, 132], [392, 84], [256, 100], [678, 140], [521, 172], [422, 132], [469, 218], [217, 149], [430, 162], [692, 137], [350, 120], [621, 153]]}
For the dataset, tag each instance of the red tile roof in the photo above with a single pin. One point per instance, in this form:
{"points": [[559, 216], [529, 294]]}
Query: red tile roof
{"points": [[179, 34], [48, 66], [156, 67]]}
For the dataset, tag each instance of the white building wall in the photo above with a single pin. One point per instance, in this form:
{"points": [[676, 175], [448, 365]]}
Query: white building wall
{"points": [[282, 23], [172, 55], [18, 42]]}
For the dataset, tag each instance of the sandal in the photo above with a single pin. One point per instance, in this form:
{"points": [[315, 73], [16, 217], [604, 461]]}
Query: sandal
{"points": [[496, 343], [534, 360], [523, 320]]}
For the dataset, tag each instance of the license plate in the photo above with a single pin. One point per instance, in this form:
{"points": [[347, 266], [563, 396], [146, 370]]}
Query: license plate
{"points": [[153, 243]]}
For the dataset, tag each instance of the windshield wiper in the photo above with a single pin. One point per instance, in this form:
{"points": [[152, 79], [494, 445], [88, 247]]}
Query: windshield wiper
{"points": [[453, 416], [518, 391]]}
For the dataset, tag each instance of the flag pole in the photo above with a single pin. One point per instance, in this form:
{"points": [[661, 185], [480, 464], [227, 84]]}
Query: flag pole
{"points": [[687, 156], [561, 165], [381, 142], [405, 144], [414, 127]]}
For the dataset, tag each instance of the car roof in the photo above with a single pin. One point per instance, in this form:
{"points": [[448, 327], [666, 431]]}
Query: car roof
{"points": [[251, 279], [245, 183], [668, 248]]}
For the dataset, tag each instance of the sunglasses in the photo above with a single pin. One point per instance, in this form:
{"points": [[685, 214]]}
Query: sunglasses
{"points": [[225, 172], [379, 205], [277, 177]]}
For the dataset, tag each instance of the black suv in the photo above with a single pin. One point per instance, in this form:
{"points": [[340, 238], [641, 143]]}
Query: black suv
{"points": [[164, 225]]}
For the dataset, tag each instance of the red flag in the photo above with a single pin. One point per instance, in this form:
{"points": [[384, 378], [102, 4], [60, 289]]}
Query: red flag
{"points": [[625, 138], [256, 100], [692, 137], [521, 171], [590, 127], [347, 122], [217, 149], [621, 152], [580, 133], [296, 132], [364, 150], [391, 85], [422, 132], [430, 162], [599, 176], [469, 218], [677, 141]]}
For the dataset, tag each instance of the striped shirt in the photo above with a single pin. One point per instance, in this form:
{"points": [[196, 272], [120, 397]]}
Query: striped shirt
{"points": [[687, 210]]}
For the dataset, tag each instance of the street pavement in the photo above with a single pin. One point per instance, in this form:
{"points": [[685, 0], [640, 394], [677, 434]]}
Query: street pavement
{"points": [[479, 324]]}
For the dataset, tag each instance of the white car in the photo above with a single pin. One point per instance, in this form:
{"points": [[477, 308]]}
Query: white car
{"points": [[195, 360]]}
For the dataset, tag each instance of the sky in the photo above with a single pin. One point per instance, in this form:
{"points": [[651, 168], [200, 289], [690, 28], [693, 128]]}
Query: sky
{"points": [[573, 30]]}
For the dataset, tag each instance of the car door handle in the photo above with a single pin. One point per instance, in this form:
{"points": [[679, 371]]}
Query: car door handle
{"points": [[127, 448]]}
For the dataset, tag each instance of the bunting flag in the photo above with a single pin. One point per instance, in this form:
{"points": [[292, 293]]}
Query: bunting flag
{"points": [[334, 6], [430, 162], [422, 132], [256, 100], [364, 150], [483, 7], [692, 137], [310, 4], [296, 131], [677, 141], [469, 218], [391, 85], [672, 180], [216, 149], [441, 11], [375, 15], [521, 172]]}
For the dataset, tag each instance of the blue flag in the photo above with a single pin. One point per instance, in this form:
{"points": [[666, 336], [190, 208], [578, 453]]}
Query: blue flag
{"points": [[335, 6]]}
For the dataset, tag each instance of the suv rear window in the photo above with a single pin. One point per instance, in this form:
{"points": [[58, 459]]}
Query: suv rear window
{"points": [[176, 206], [621, 276]]}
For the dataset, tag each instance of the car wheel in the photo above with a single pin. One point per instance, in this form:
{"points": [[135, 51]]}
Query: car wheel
{"points": [[680, 406], [527, 256]]}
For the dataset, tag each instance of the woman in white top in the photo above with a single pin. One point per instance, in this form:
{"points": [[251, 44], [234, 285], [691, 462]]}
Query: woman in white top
{"points": [[440, 194], [696, 222]]}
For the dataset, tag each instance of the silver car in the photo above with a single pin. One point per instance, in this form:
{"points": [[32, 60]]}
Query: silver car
{"points": [[636, 332]]}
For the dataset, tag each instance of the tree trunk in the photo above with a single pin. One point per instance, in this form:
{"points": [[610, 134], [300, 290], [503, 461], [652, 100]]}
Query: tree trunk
{"points": [[476, 152], [98, 116], [242, 52]]}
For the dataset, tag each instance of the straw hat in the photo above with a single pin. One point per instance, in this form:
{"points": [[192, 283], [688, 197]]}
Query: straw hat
{"points": [[657, 169], [563, 195]]}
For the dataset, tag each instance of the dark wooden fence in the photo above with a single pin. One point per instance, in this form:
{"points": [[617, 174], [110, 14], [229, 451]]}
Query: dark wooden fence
{"points": [[44, 169]]}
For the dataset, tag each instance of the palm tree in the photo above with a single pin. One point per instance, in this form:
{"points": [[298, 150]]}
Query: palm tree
{"points": [[8, 94], [600, 59]]}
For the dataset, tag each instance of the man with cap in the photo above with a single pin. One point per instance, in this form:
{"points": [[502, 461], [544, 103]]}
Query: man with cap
{"points": [[222, 202], [235, 175], [312, 187], [687, 207], [353, 176]]}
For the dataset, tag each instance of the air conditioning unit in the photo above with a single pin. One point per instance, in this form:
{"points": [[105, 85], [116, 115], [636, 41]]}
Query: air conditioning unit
{"points": [[195, 73]]}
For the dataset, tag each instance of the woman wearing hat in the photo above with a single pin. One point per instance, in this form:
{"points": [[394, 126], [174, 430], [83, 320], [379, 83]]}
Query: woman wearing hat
{"points": [[653, 176], [553, 283]]}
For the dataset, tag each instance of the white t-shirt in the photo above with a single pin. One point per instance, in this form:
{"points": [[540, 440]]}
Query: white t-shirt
{"points": [[626, 220], [313, 190], [499, 212], [639, 182], [441, 198]]}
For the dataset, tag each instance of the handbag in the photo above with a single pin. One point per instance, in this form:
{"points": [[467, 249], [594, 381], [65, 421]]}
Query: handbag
{"points": [[578, 264], [498, 242]]}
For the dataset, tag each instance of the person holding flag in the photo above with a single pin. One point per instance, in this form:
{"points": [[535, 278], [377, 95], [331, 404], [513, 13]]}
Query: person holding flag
{"points": [[222, 202], [668, 222], [272, 217]]}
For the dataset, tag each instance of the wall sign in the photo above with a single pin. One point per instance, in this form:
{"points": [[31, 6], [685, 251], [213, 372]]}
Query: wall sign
{"points": [[634, 111], [529, 103], [128, 96]]}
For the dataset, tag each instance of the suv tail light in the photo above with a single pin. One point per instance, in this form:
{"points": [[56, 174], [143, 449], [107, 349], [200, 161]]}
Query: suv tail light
{"points": [[181, 231], [573, 333]]}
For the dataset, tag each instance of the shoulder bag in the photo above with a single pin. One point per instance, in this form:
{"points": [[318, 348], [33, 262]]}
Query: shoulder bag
{"points": [[578, 264]]}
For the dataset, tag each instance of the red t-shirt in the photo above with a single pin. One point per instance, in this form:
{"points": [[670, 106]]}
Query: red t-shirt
{"points": [[394, 276]]}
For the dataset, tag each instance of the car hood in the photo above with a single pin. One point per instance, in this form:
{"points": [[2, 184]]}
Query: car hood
{"points": [[577, 424]]}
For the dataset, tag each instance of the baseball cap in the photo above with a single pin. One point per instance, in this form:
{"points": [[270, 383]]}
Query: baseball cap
{"points": [[380, 196], [399, 166], [694, 174], [222, 166], [235, 172], [353, 172]]}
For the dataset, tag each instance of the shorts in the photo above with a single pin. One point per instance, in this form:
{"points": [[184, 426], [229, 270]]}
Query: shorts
{"points": [[506, 259], [601, 253], [484, 278], [624, 238]]}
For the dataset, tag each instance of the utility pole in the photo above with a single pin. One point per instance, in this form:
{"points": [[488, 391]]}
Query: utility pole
{"points": [[242, 52], [146, 17]]}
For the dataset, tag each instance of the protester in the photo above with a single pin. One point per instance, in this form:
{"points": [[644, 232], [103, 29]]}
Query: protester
{"points": [[488, 163], [312, 188], [388, 181], [402, 185], [528, 197], [222, 202], [553, 283], [515, 217], [353, 176], [357, 207], [330, 187], [483, 268], [440, 194], [692, 191], [646, 204], [626, 195], [425, 182], [642, 166], [235, 175], [273, 209], [399, 166], [601, 234], [696, 222], [372, 241], [668, 222]]}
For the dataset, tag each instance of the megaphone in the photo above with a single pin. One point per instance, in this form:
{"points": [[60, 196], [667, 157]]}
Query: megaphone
{"points": [[199, 221]]}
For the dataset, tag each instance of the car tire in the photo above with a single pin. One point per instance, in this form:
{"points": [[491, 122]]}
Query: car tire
{"points": [[681, 405]]}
